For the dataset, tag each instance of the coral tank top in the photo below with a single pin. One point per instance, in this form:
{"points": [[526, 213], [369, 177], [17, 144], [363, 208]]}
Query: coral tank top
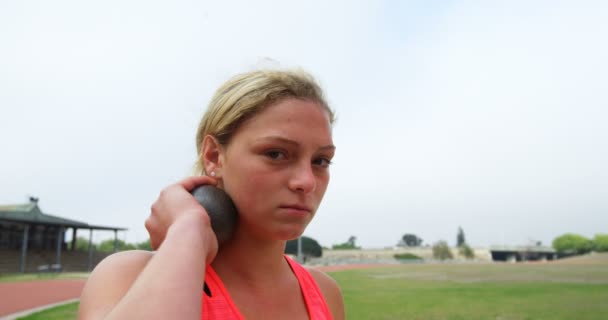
{"points": [[217, 304]]}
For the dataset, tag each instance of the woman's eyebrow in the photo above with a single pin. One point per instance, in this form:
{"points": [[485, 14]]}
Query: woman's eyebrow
{"points": [[328, 147], [289, 141], [277, 139]]}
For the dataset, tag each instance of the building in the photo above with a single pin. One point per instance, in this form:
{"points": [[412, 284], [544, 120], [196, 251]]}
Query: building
{"points": [[522, 253], [28, 233]]}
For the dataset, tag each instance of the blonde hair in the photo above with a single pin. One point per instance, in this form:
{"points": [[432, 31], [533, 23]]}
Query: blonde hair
{"points": [[247, 94]]}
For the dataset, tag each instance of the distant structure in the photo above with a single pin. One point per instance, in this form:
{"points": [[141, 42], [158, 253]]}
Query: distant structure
{"points": [[25, 228], [522, 253]]}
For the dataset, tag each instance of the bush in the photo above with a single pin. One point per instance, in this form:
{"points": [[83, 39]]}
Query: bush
{"points": [[571, 244], [441, 251], [466, 251], [406, 256], [600, 242]]}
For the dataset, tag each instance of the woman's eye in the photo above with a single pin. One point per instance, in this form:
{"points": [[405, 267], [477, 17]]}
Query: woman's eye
{"points": [[276, 155], [322, 162]]}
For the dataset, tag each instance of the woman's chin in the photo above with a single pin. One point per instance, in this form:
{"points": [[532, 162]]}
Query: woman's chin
{"points": [[291, 234]]}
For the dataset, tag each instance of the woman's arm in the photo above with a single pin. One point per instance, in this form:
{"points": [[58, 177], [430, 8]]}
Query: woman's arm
{"points": [[166, 284], [142, 285]]}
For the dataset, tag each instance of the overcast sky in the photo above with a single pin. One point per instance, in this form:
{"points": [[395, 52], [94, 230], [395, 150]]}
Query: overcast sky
{"points": [[490, 115]]}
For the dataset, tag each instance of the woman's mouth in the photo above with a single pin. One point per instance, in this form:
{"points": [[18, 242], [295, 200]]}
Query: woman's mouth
{"points": [[296, 209]]}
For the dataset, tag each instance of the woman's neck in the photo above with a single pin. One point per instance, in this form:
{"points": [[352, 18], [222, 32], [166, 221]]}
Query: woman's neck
{"points": [[251, 259]]}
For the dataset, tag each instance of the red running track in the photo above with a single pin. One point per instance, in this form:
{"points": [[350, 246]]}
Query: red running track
{"points": [[25, 295]]}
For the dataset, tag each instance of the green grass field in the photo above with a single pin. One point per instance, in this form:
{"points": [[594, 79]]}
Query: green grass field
{"points": [[492, 291], [41, 276], [64, 312], [575, 289]]}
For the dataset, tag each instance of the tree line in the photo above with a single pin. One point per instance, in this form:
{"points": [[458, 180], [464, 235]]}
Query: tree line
{"points": [[565, 245], [573, 244], [310, 246], [82, 244]]}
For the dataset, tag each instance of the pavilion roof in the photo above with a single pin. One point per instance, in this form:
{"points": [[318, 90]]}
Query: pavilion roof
{"points": [[30, 213]]}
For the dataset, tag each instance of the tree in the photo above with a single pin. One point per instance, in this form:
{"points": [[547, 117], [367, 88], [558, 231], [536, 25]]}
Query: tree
{"points": [[411, 240], [441, 251], [144, 245], [349, 244], [600, 242], [108, 245], [352, 240], [310, 247], [82, 244], [571, 244], [460, 239]]}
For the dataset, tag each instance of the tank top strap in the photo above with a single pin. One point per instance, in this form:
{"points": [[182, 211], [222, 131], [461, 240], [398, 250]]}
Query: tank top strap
{"points": [[217, 304], [315, 302]]}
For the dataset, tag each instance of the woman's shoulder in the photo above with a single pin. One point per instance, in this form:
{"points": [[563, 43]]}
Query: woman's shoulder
{"points": [[129, 256], [322, 279], [331, 292], [111, 279], [122, 264]]}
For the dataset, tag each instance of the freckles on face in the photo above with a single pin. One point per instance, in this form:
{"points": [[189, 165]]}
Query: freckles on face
{"points": [[276, 167]]}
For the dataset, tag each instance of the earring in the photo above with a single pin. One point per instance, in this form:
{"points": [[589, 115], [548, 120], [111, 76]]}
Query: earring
{"points": [[212, 173]]}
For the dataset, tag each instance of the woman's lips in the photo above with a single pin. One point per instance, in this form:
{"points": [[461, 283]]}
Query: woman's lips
{"points": [[296, 209]]}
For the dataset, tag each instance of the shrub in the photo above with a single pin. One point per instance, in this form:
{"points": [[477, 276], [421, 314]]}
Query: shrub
{"points": [[466, 251], [406, 256], [441, 251]]}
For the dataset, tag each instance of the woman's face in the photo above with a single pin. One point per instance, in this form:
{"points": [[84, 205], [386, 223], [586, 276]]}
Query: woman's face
{"points": [[276, 168]]}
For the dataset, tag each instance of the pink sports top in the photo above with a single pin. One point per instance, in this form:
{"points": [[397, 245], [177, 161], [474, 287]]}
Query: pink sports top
{"points": [[217, 304]]}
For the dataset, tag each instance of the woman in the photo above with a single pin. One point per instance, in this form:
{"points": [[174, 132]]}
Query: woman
{"points": [[266, 140]]}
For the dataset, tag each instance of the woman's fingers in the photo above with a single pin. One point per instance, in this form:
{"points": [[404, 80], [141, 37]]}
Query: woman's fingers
{"points": [[152, 226], [192, 182], [174, 202]]}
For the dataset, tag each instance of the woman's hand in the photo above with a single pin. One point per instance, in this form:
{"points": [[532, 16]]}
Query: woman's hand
{"points": [[175, 206]]}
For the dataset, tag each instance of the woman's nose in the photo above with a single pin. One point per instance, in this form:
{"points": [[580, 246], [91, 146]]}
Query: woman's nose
{"points": [[303, 179]]}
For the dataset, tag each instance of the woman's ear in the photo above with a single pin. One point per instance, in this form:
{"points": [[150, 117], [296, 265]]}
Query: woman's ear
{"points": [[212, 154]]}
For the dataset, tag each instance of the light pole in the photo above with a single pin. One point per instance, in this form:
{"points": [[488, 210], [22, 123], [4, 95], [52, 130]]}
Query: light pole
{"points": [[300, 260]]}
